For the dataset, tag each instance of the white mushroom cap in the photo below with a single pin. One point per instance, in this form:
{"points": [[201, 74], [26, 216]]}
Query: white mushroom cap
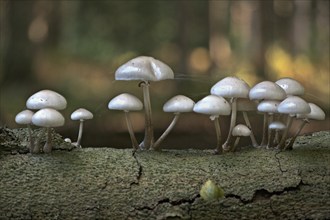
{"points": [[46, 99], [179, 103], [294, 105], [48, 118], [291, 86], [269, 106], [24, 117], [246, 105], [81, 114], [212, 105], [125, 102], [231, 87], [144, 68], [316, 113], [241, 130], [267, 90], [277, 125]]}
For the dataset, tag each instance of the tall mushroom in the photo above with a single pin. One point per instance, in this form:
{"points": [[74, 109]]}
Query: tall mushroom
{"points": [[46, 99], [145, 69], [292, 106], [127, 102], [316, 114], [177, 105], [231, 88], [48, 118], [81, 115], [266, 90], [291, 86], [214, 106], [25, 118]]}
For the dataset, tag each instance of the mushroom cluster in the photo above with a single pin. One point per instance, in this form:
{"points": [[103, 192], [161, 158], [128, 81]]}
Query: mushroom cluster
{"points": [[47, 105], [279, 102]]}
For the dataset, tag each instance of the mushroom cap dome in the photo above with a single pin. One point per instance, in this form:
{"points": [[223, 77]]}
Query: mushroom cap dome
{"points": [[46, 99], [144, 68], [48, 117], [316, 113], [125, 102], [267, 90], [241, 130], [277, 125], [81, 114], [231, 87], [291, 86], [269, 106], [24, 117], [294, 105], [179, 103], [212, 105]]}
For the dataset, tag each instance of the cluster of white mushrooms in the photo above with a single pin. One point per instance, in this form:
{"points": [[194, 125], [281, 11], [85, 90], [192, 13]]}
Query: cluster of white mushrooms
{"points": [[279, 102], [48, 103]]}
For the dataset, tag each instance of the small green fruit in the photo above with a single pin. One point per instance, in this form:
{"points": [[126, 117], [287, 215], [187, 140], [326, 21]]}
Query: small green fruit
{"points": [[210, 191]]}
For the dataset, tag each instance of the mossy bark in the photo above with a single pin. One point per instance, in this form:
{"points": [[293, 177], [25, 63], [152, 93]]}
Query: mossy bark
{"points": [[106, 183]]}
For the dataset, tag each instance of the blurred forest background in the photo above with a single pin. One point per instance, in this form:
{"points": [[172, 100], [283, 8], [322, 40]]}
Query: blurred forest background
{"points": [[74, 48]]}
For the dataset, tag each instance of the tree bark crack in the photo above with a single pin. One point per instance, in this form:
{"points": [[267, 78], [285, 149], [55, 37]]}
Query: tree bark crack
{"points": [[140, 170], [279, 162]]}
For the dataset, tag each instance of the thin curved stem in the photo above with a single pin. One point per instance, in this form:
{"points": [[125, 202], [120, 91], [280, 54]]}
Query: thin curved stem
{"points": [[48, 145], [285, 133], [232, 122], [265, 131], [236, 143], [166, 132], [247, 122], [81, 128], [149, 132], [270, 137], [135, 144], [219, 149], [290, 145]]}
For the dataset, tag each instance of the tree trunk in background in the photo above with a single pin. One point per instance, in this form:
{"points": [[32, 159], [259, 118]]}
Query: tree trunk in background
{"points": [[183, 35], [17, 56], [4, 34], [219, 45]]}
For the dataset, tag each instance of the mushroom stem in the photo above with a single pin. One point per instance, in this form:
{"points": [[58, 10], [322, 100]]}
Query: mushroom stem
{"points": [[277, 137], [290, 145], [265, 131], [149, 132], [48, 145], [81, 128], [219, 149], [235, 144], [166, 132], [31, 138], [232, 122], [270, 136], [135, 144], [247, 122], [285, 133]]}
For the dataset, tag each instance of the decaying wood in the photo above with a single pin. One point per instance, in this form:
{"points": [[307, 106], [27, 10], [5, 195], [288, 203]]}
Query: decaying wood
{"points": [[106, 183]]}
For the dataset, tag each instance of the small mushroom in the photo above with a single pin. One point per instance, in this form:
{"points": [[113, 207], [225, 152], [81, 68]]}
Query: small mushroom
{"points": [[316, 114], [145, 69], [269, 107], [25, 118], [291, 86], [231, 88], [239, 131], [177, 105], [292, 105], [214, 106], [80, 114], [127, 102], [266, 90], [48, 118], [276, 126]]}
